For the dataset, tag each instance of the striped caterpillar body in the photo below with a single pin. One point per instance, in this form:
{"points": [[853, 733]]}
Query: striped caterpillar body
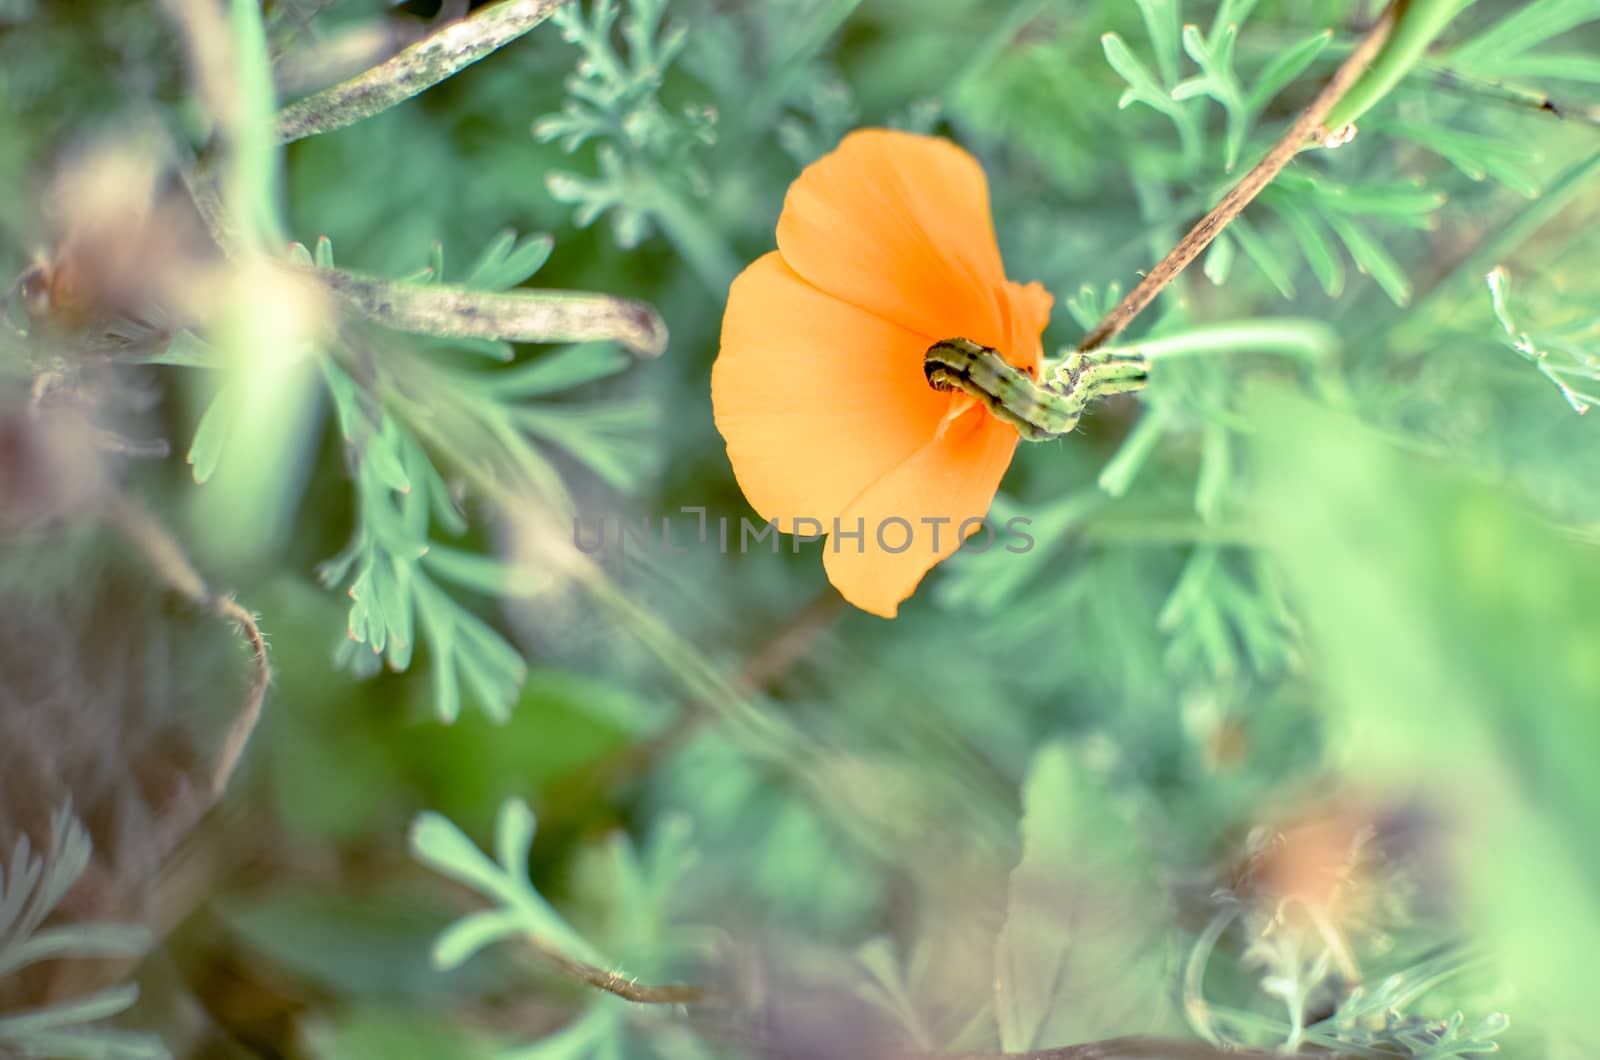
{"points": [[1039, 411]]}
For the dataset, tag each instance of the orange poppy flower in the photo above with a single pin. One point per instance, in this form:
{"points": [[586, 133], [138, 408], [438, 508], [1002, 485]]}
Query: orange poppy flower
{"points": [[885, 247]]}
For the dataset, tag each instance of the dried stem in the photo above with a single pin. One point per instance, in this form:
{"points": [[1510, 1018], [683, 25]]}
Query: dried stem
{"points": [[1511, 94], [244, 723], [447, 311], [515, 316], [413, 70], [620, 985], [1305, 129], [1132, 1048], [166, 557]]}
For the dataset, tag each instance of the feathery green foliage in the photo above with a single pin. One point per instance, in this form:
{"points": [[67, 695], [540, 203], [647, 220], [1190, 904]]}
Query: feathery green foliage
{"points": [[638, 925], [1334, 561], [31, 886]]}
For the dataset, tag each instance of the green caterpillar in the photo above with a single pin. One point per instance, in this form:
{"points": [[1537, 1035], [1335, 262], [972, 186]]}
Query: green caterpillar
{"points": [[1039, 411]]}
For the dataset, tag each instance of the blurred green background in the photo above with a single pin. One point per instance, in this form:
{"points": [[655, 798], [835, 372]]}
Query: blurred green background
{"points": [[1282, 734]]}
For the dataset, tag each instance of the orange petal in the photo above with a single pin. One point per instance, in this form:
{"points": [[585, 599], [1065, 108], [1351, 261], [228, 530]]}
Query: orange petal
{"points": [[815, 398], [953, 479], [1026, 312], [898, 224]]}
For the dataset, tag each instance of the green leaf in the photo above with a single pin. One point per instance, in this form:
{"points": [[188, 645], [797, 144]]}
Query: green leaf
{"points": [[507, 261], [513, 834], [79, 940], [1142, 87], [253, 156], [31, 886], [601, 437], [1289, 64], [1397, 202], [1531, 25], [211, 435], [482, 574], [435, 269], [1231, 13], [1262, 255], [483, 659], [1475, 156], [445, 848], [1219, 259], [1215, 59], [446, 678], [392, 596], [1547, 66], [1086, 946], [64, 1030], [382, 456], [474, 932], [1325, 264], [489, 349], [1372, 259], [1163, 23], [551, 373]]}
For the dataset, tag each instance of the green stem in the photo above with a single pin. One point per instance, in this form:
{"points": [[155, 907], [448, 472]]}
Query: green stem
{"points": [[1510, 93], [448, 311], [808, 41], [705, 251], [977, 59], [254, 180], [413, 70], [1309, 340], [1194, 974], [1417, 23], [1129, 459]]}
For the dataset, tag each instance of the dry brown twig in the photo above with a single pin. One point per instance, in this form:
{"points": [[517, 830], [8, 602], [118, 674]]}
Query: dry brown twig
{"points": [[622, 986], [167, 559], [513, 316], [413, 70], [1307, 129]]}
